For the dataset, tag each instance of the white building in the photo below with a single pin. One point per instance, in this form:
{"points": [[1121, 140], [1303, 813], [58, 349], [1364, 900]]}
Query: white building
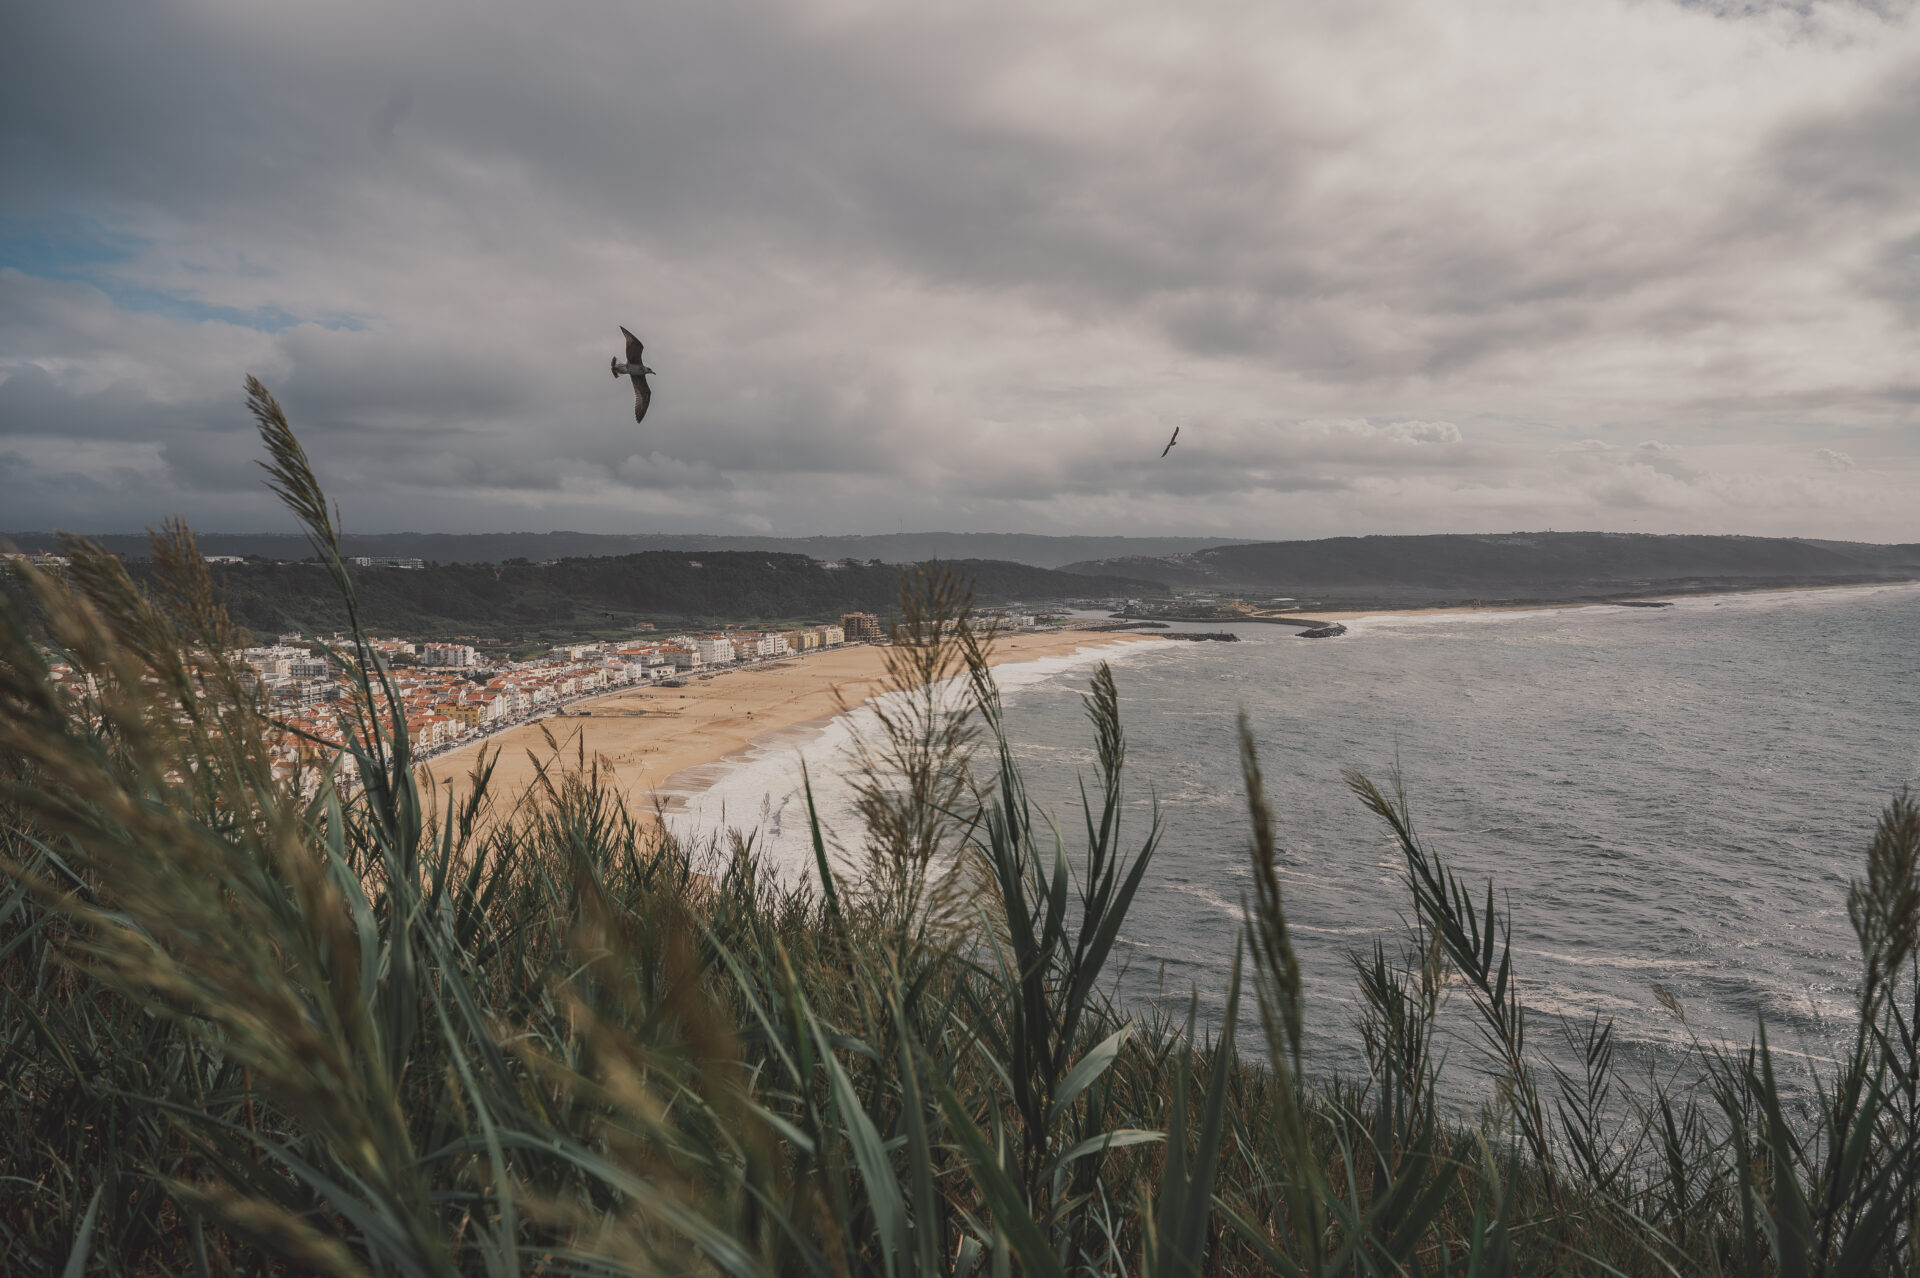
{"points": [[715, 652], [449, 654], [306, 692], [282, 662]]}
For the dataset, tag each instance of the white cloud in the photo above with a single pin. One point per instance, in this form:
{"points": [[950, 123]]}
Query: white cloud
{"points": [[1417, 432]]}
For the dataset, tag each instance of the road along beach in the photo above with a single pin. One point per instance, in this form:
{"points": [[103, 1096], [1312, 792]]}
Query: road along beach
{"points": [[649, 735]]}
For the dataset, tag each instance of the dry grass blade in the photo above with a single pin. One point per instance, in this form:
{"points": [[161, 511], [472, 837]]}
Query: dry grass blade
{"points": [[1275, 963]]}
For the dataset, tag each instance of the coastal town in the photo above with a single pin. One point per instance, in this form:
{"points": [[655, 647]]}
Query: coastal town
{"points": [[452, 695]]}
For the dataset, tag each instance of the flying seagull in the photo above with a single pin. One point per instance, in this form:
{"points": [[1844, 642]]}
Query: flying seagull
{"points": [[1171, 442], [636, 368]]}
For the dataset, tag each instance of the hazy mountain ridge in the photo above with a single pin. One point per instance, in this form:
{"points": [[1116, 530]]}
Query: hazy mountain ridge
{"points": [[1441, 567], [1038, 550], [1454, 566]]}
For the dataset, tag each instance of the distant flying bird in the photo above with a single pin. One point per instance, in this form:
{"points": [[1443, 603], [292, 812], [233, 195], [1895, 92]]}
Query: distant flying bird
{"points": [[1171, 442], [636, 368]]}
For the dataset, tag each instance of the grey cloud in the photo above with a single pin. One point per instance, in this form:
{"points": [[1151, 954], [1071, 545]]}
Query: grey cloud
{"points": [[850, 149], [375, 379], [1634, 466], [1847, 174], [1894, 274], [900, 263], [1664, 459], [1400, 432], [386, 121], [210, 462], [35, 402], [657, 470], [1856, 158]]}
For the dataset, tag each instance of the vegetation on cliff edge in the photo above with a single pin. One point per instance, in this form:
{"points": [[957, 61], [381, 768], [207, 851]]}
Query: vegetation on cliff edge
{"points": [[260, 1024]]}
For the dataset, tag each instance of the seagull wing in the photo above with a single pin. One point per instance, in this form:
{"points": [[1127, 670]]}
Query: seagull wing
{"points": [[642, 393]]}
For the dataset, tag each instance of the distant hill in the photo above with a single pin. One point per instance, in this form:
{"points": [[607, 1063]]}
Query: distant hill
{"points": [[1515, 566], [518, 600], [1898, 557], [468, 548]]}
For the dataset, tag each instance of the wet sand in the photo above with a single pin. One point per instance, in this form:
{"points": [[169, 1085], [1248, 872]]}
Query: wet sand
{"points": [[649, 735]]}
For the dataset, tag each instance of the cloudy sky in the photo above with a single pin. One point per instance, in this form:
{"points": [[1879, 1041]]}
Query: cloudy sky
{"points": [[1390, 265]]}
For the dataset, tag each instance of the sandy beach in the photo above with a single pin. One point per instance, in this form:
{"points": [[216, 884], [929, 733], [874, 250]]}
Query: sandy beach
{"points": [[649, 735]]}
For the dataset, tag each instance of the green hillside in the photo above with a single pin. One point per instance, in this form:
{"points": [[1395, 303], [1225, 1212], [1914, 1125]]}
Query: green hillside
{"points": [[1518, 565], [463, 548], [605, 595]]}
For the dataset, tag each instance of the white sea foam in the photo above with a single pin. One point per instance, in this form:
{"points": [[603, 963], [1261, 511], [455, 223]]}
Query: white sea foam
{"points": [[1399, 620], [1677, 796], [1755, 600], [1625, 962], [760, 790]]}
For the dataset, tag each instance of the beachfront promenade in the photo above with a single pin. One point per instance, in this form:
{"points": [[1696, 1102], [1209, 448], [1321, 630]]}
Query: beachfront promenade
{"points": [[648, 734]]}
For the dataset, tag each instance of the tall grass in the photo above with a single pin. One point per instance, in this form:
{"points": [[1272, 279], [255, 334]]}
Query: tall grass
{"points": [[261, 1024]]}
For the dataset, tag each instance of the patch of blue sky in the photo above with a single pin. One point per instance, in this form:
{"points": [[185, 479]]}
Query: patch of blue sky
{"points": [[89, 253], [69, 250]]}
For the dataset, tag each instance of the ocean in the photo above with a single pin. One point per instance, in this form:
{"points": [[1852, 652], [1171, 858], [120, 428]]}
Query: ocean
{"points": [[1676, 796]]}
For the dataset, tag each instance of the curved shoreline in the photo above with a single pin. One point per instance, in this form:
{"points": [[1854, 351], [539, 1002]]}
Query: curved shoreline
{"points": [[676, 791], [652, 738]]}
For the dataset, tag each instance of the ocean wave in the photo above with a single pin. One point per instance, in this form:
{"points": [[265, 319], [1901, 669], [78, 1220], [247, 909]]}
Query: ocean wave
{"points": [[1750, 600], [1683, 801], [767, 777]]}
